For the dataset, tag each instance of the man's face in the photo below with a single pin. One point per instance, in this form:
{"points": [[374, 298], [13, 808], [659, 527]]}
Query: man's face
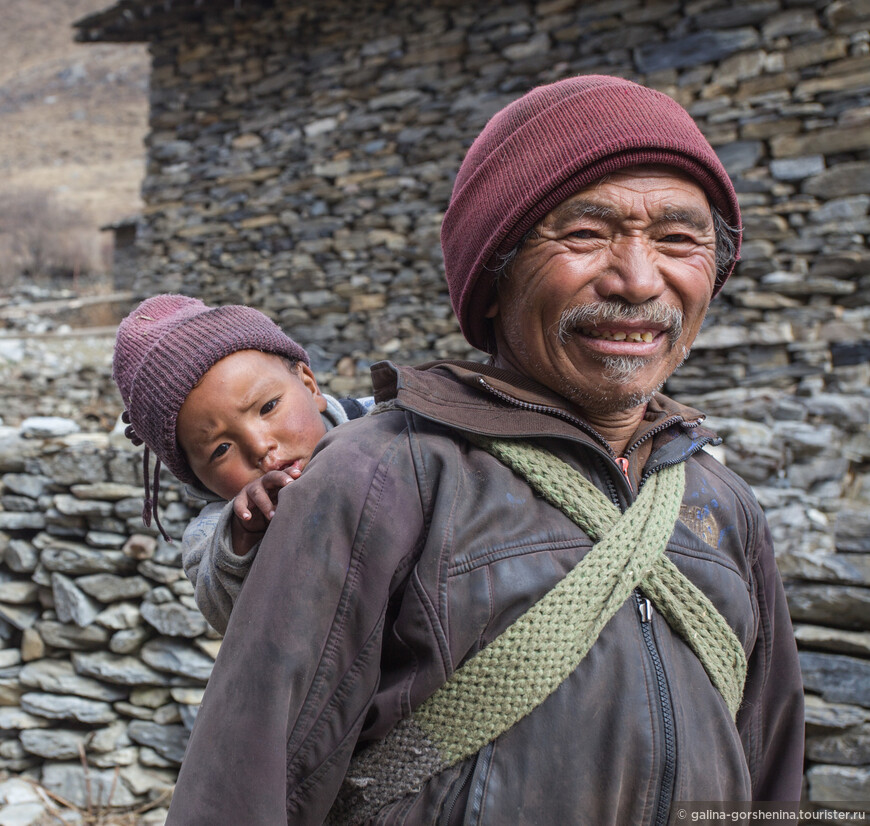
{"points": [[249, 414], [605, 298]]}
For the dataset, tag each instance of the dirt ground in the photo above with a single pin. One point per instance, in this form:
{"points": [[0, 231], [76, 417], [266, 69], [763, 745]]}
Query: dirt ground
{"points": [[74, 115]]}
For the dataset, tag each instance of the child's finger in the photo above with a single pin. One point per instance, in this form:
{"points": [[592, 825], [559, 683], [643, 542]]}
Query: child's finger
{"points": [[240, 507], [262, 501], [276, 479]]}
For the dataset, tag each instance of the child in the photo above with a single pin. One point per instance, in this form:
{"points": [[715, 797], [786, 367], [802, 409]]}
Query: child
{"points": [[230, 405]]}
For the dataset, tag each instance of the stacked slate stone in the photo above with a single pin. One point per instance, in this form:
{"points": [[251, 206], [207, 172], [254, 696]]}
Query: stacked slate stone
{"points": [[300, 159], [104, 654], [65, 372]]}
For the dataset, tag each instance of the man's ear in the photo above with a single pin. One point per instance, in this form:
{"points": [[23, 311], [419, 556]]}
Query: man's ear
{"points": [[492, 309]]}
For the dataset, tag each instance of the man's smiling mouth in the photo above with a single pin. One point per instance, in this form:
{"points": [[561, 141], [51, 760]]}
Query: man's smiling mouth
{"points": [[621, 335], [618, 321]]}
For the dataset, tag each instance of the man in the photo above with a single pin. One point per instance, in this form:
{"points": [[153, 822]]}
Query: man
{"points": [[590, 225]]}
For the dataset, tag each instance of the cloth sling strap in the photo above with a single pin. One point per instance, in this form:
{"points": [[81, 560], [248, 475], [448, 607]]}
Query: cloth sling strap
{"points": [[518, 670]]}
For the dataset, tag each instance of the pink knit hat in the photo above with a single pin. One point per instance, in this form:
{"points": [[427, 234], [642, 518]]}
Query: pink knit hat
{"points": [[163, 348], [540, 150]]}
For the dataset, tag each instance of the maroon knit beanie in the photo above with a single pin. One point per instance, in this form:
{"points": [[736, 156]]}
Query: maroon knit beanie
{"points": [[540, 150], [165, 346]]}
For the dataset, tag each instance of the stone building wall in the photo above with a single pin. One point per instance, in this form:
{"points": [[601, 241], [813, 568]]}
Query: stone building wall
{"points": [[300, 160]]}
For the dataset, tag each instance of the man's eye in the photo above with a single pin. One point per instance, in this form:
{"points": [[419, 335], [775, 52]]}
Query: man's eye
{"points": [[219, 451], [678, 238], [268, 407], [584, 233]]}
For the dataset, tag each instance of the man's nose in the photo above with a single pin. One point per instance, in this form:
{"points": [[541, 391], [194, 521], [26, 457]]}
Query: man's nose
{"points": [[634, 273]]}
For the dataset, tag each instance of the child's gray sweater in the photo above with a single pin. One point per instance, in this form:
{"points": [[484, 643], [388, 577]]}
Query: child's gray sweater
{"points": [[217, 573]]}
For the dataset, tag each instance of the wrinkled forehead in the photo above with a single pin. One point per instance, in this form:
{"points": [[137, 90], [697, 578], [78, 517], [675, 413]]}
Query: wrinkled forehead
{"points": [[670, 190]]}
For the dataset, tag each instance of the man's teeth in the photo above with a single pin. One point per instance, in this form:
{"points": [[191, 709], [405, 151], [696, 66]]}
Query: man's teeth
{"points": [[619, 335]]}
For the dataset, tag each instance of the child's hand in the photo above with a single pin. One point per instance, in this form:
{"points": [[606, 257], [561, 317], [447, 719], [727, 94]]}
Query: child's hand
{"points": [[254, 507]]}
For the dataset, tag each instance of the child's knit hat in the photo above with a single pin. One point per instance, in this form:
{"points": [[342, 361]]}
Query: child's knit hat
{"points": [[540, 150], [162, 350]]}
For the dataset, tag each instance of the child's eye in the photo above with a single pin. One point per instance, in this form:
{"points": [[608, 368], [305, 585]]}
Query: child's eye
{"points": [[219, 451], [268, 407]]}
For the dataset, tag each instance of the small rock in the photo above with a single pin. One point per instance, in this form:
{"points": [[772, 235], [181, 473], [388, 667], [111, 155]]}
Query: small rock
{"points": [[25, 484], [58, 707], [149, 697], [75, 560], [22, 814], [116, 669], [32, 645], [73, 506], [796, 169], [47, 427], [97, 788], [174, 620], [129, 640], [149, 757], [16, 790], [844, 605], [70, 603], [53, 744], [21, 617], [18, 592], [112, 588], [187, 696], [846, 784], [20, 556], [851, 747], [120, 616], [15, 719], [71, 636], [105, 491], [140, 546], [17, 521], [147, 781], [838, 678], [122, 757], [109, 739], [59, 677], [168, 741], [177, 658]]}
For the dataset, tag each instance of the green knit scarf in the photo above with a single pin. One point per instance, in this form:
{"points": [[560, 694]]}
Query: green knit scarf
{"points": [[518, 670]]}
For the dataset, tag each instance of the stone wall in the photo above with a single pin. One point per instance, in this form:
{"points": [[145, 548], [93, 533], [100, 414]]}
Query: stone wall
{"points": [[104, 654], [300, 160]]}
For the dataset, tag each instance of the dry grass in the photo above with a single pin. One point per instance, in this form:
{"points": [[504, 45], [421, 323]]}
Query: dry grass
{"points": [[61, 812], [74, 115]]}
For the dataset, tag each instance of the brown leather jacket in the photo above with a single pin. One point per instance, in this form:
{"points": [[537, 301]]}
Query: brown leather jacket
{"points": [[403, 550]]}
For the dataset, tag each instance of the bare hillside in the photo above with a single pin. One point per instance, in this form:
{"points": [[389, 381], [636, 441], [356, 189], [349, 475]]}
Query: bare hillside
{"points": [[72, 116]]}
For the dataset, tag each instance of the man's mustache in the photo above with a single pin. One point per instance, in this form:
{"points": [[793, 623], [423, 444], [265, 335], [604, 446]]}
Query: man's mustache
{"points": [[601, 313]]}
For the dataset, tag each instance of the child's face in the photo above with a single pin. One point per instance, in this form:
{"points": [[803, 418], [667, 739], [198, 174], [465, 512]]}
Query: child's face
{"points": [[249, 414]]}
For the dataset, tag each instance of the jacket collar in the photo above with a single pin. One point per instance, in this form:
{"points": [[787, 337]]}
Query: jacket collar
{"points": [[481, 398]]}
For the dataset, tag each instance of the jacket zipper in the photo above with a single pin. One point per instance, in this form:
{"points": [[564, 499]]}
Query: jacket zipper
{"points": [[552, 411], [478, 769], [455, 794], [644, 607], [697, 446], [663, 426], [666, 788]]}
